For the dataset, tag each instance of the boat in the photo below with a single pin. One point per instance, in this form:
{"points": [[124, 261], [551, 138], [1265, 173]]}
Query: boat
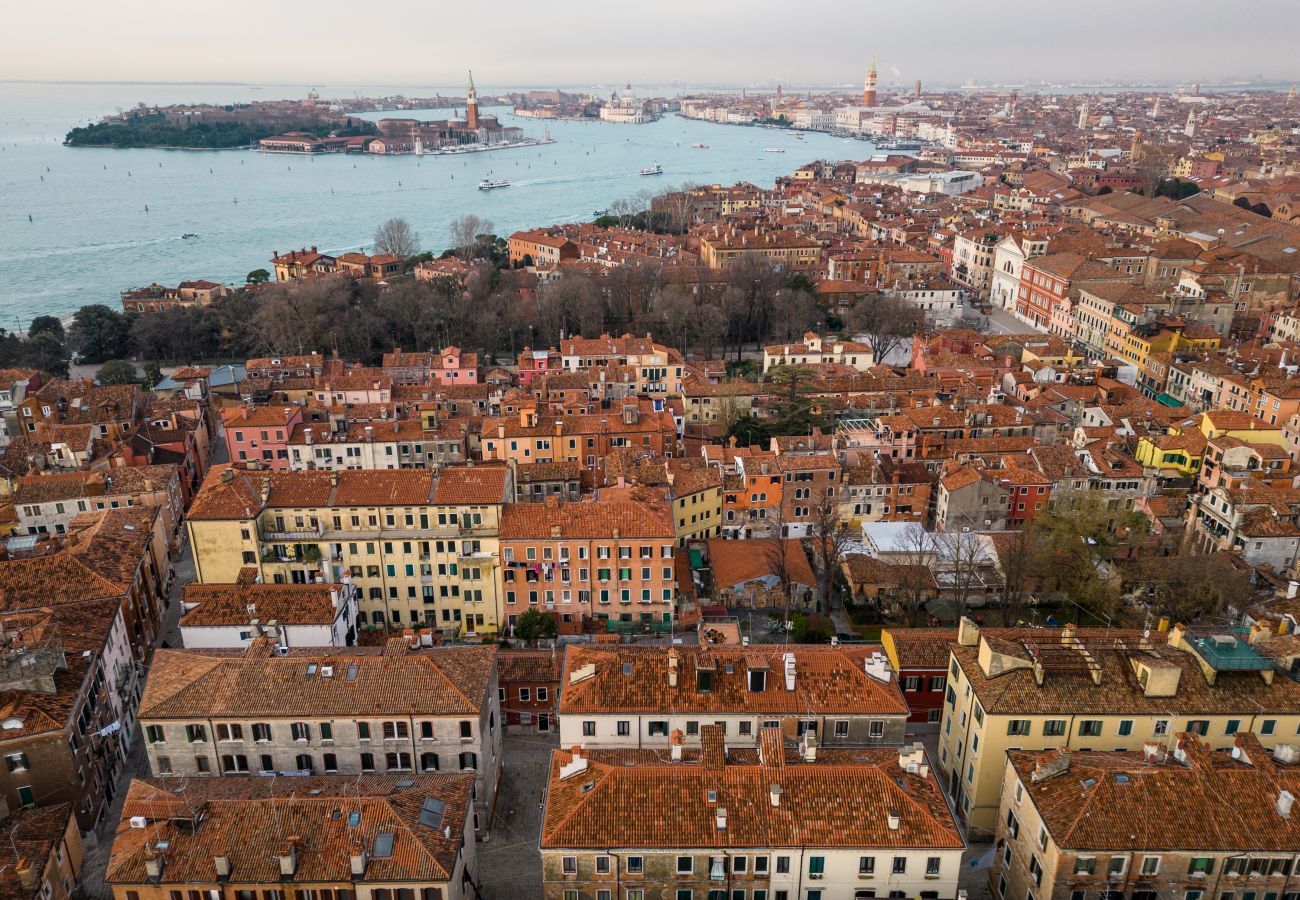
{"points": [[187, 235], [773, 149], [600, 212], [656, 169], [699, 146], [488, 184]]}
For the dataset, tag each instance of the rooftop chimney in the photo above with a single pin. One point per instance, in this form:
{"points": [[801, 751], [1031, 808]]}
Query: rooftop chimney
{"points": [[1053, 762], [809, 747], [677, 739], [774, 794], [672, 667]]}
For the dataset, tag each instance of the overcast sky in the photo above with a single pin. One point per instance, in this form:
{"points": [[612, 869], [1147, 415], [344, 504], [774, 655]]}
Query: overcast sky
{"points": [[525, 42]]}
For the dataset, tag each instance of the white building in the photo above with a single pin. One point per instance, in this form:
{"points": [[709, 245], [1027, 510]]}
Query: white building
{"points": [[293, 615], [940, 301], [806, 823]]}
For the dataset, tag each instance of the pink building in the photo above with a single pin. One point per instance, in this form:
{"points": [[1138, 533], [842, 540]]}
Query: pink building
{"points": [[260, 434], [535, 363], [455, 366], [448, 366]]}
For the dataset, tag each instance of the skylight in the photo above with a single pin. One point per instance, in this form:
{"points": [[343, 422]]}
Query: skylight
{"points": [[432, 812]]}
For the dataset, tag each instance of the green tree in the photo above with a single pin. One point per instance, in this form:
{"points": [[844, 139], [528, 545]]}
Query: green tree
{"points": [[46, 325], [47, 353], [152, 375], [117, 371], [258, 276], [99, 334], [794, 409], [1078, 538], [535, 625]]}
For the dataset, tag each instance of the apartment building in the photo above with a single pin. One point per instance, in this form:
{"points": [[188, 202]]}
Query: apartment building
{"points": [[77, 625], [377, 837], [1173, 819], [612, 696], [763, 823], [383, 443], [47, 854], [259, 435], [293, 615], [813, 350], [920, 657], [421, 546], [1097, 689], [586, 438], [607, 559], [48, 503], [396, 709]]}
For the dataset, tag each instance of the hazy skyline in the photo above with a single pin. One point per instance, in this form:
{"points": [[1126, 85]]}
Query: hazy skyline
{"points": [[513, 43]]}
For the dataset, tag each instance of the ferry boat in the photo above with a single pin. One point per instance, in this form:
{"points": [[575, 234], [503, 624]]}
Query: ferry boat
{"points": [[773, 149], [656, 169], [488, 184]]}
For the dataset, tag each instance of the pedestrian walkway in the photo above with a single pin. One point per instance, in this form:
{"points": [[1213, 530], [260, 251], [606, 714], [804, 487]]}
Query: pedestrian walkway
{"points": [[510, 865]]}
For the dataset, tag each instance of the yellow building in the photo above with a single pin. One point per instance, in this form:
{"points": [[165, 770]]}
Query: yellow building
{"points": [[719, 249], [1177, 454], [1096, 689], [422, 546], [1242, 425], [696, 493]]}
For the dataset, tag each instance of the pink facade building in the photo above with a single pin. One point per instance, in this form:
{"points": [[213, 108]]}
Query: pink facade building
{"points": [[260, 434]]}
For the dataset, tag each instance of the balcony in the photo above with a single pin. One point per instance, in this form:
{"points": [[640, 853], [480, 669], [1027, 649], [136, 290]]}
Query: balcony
{"points": [[309, 534]]}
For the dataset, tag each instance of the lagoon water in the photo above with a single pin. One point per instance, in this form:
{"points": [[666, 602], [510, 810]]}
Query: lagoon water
{"points": [[90, 236]]}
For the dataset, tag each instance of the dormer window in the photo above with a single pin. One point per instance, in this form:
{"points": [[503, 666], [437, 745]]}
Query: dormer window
{"points": [[757, 681]]}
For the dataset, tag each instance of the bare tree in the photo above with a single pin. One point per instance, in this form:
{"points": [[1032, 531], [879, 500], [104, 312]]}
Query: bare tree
{"points": [[1019, 553], [915, 581], [1192, 586], [570, 304], [710, 328], [752, 282], [396, 237], [829, 537], [793, 314], [886, 321], [962, 556], [465, 231]]}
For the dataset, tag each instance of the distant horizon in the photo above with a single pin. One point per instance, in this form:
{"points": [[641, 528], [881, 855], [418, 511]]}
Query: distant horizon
{"points": [[1008, 41], [1225, 85]]}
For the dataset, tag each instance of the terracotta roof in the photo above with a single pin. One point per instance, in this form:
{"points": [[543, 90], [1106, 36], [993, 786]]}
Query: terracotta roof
{"points": [[320, 811], [636, 798], [33, 834], [1211, 803], [922, 648], [736, 563], [228, 604], [828, 680], [189, 683], [1016, 692], [528, 665], [587, 520]]}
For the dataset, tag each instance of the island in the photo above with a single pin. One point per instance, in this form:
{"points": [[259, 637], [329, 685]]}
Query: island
{"points": [[165, 129]]}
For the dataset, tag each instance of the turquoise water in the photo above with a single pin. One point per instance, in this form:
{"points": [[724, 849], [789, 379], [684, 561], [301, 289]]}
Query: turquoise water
{"points": [[90, 236]]}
